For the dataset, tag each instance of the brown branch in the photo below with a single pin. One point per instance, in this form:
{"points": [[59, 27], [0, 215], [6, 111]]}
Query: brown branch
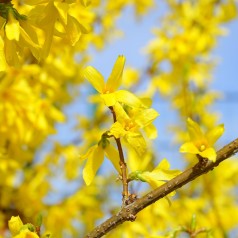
{"points": [[129, 212], [125, 193]]}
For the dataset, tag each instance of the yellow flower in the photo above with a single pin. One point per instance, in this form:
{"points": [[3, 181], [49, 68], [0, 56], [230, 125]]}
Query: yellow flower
{"points": [[15, 224], [129, 127], [160, 175], [107, 90], [19, 230], [19, 34], [95, 157], [202, 143], [26, 234]]}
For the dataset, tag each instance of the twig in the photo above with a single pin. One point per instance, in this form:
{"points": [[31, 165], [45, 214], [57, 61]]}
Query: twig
{"points": [[129, 212], [125, 193]]}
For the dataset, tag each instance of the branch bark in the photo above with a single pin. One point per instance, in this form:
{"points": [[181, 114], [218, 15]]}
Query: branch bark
{"points": [[122, 163], [129, 212]]}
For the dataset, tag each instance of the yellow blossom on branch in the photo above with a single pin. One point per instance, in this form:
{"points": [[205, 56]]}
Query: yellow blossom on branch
{"points": [[95, 157], [108, 91], [202, 143], [15, 224], [19, 33], [158, 176], [19, 230], [129, 127]]}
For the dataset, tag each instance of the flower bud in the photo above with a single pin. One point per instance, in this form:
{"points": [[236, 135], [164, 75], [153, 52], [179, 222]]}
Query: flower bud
{"points": [[15, 224]]}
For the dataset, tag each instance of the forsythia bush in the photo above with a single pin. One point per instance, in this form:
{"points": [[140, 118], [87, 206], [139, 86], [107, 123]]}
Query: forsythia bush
{"points": [[45, 53]]}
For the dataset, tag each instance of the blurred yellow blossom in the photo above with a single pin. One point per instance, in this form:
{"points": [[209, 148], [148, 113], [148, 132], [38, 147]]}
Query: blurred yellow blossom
{"points": [[202, 143], [15, 224]]}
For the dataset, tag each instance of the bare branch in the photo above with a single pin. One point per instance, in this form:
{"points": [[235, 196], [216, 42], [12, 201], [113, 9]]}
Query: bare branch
{"points": [[129, 212], [122, 163]]}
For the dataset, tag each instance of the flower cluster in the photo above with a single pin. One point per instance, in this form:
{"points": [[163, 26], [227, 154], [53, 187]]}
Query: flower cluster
{"points": [[130, 114]]}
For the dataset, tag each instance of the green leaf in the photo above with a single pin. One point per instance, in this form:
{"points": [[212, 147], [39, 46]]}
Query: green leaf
{"points": [[39, 219]]}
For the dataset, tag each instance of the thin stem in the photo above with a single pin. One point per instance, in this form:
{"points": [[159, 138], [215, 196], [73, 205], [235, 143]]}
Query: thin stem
{"points": [[123, 166]]}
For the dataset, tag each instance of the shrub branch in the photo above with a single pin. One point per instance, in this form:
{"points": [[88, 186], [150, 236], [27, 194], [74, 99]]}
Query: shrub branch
{"points": [[128, 213]]}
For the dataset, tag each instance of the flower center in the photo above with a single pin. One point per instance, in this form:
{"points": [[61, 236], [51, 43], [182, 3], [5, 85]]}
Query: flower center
{"points": [[202, 148], [129, 125]]}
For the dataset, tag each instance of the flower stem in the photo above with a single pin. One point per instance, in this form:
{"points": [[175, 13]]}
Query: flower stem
{"points": [[123, 166]]}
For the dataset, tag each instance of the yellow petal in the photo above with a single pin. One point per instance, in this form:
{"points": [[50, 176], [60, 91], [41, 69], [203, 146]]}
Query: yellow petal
{"points": [[137, 142], [62, 8], [214, 134], [47, 23], [114, 80], [117, 130], [10, 51], [162, 171], [194, 130], [29, 36], [88, 153], [128, 98], [159, 175], [109, 99], [3, 63], [35, 2], [28, 39], [85, 3], [12, 27], [95, 78], [209, 153], [93, 163], [15, 224], [113, 155], [151, 131], [121, 115], [149, 178], [73, 31], [164, 164], [189, 147], [146, 101], [145, 117]]}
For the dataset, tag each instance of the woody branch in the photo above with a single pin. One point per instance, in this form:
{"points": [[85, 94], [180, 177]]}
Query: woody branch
{"points": [[129, 212]]}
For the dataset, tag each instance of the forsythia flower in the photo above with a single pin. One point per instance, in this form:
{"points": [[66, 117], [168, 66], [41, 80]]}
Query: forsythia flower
{"points": [[128, 127], [19, 230], [15, 224], [160, 175], [26, 234], [108, 90], [202, 143], [95, 157], [19, 33]]}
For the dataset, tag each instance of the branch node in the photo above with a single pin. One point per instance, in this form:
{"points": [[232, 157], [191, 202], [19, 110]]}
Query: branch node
{"points": [[131, 217]]}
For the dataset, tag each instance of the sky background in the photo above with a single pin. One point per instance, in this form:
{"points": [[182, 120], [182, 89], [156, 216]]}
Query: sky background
{"points": [[136, 35]]}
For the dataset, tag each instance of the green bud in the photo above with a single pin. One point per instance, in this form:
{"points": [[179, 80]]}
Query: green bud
{"points": [[29, 227], [104, 142], [6, 7], [193, 223], [136, 175], [39, 219]]}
